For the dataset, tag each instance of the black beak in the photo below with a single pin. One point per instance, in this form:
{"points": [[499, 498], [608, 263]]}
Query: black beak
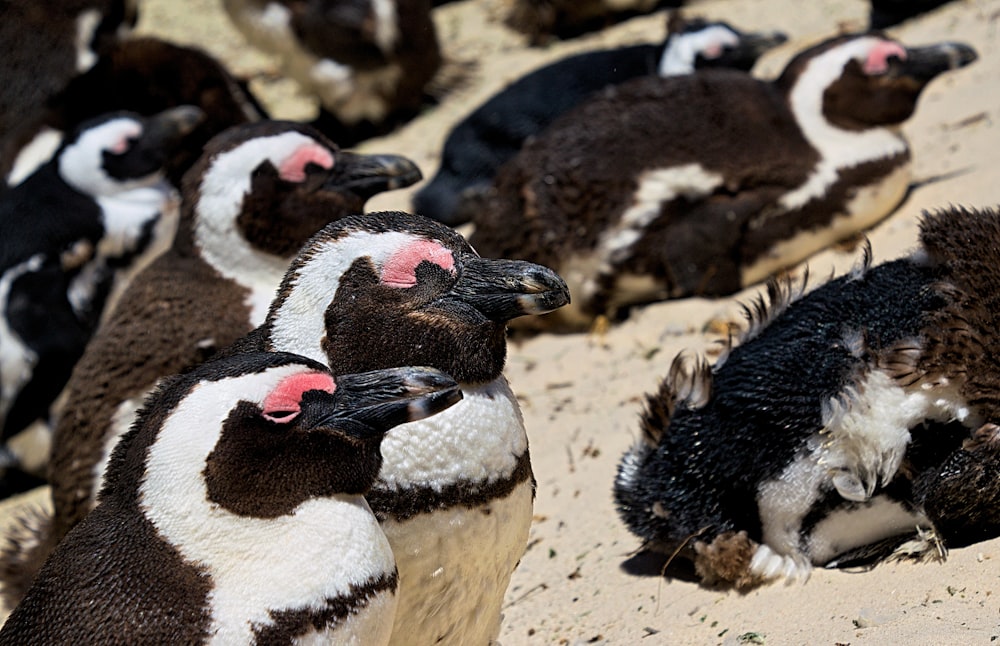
{"points": [[924, 63], [751, 47], [368, 404], [368, 175], [505, 289], [165, 129]]}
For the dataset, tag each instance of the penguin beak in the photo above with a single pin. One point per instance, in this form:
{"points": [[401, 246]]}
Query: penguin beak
{"points": [[366, 405], [924, 63], [750, 47], [502, 290], [368, 175], [165, 129]]}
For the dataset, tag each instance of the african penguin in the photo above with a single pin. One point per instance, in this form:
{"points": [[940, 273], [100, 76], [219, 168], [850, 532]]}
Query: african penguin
{"points": [[143, 75], [48, 42], [98, 211], [495, 131], [858, 412], [543, 20], [455, 492], [702, 184], [367, 62], [256, 195], [233, 513]]}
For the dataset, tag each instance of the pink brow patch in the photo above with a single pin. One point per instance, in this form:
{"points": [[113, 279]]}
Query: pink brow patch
{"points": [[283, 403], [878, 57], [293, 168], [400, 271]]}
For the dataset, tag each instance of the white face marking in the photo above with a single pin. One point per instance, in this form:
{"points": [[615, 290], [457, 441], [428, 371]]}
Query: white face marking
{"points": [[441, 587], [86, 26], [838, 148], [847, 529], [37, 152], [679, 56], [225, 184], [868, 206], [81, 164], [298, 323], [17, 360], [656, 187], [386, 29], [309, 555]]}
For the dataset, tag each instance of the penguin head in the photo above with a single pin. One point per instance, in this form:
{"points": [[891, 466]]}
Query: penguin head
{"points": [[277, 183], [260, 434], [389, 289], [868, 80], [695, 43], [122, 151]]}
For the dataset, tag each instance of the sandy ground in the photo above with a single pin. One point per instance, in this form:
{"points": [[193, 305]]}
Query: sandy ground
{"points": [[579, 581]]}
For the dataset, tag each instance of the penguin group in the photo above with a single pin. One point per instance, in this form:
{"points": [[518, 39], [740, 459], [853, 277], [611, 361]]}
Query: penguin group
{"points": [[270, 414]]}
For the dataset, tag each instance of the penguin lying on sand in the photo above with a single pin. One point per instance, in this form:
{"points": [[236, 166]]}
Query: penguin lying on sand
{"points": [[143, 75], [541, 20], [257, 194], [233, 513], [856, 413], [495, 131], [702, 184], [455, 492], [99, 209], [367, 61]]}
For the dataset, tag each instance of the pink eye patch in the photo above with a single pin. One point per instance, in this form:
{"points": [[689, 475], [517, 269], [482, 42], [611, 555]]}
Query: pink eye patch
{"points": [[293, 168], [878, 58], [400, 270], [283, 404]]}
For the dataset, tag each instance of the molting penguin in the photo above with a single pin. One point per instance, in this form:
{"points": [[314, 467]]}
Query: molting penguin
{"points": [[257, 194], [95, 213], [143, 75], [495, 131], [46, 43], [233, 513], [850, 415], [367, 61], [391, 289], [701, 184]]}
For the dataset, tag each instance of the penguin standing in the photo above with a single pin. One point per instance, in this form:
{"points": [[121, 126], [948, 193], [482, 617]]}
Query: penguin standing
{"points": [[495, 131], [843, 418], [233, 513], [259, 192], [702, 184], [99, 210], [455, 492], [367, 61]]}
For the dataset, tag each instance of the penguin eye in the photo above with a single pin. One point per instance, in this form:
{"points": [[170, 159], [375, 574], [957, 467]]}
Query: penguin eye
{"points": [[283, 404], [877, 61], [281, 416], [400, 270], [122, 146]]}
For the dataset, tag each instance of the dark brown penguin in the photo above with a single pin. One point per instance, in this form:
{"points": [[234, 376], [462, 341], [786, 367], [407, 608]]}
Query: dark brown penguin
{"points": [[701, 184], [259, 191], [206, 530]]}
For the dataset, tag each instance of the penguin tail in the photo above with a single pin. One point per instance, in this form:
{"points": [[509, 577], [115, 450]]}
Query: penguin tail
{"points": [[29, 540]]}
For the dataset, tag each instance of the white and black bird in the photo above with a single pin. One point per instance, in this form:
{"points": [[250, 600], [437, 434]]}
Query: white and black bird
{"points": [[257, 194], [495, 131], [368, 62], [455, 492], [97, 211], [844, 418], [701, 184], [233, 513]]}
